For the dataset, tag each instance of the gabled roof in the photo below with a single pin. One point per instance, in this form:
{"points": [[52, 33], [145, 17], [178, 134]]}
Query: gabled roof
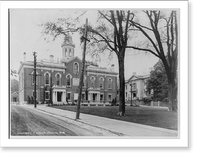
{"points": [[134, 77], [72, 59], [14, 94]]}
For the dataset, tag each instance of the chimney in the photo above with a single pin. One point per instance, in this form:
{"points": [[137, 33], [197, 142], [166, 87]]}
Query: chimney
{"points": [[51, 58], [24, 56]]}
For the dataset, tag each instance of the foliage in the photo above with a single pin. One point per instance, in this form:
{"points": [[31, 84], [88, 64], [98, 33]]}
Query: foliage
{"points": [[158, 82], [14, 85]]}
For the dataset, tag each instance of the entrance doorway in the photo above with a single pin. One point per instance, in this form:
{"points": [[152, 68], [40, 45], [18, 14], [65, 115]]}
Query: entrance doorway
{"points": [[59, 96], [94, 97]]}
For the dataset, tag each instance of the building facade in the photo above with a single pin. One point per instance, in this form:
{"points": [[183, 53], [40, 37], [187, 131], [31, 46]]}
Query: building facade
{"points": [[136, 86], [58, 81]]}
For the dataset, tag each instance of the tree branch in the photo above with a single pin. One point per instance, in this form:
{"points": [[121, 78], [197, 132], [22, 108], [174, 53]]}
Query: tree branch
{"points": [[105, 17], [106, 41], [142, 49]]}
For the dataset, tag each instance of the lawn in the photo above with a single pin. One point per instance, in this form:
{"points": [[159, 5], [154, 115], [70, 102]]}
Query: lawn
{"points": [[157, 117]]}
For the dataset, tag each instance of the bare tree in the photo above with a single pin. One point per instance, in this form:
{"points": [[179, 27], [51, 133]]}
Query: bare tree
{"points": [[164, 45], [112, 34]]}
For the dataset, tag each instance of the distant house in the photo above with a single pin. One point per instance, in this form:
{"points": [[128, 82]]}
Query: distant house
{"points": [[58, 81], [14, 97], [136, 86]]}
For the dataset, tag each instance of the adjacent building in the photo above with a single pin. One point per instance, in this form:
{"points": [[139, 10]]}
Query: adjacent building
{"points": [[136, 86], [58, 81]]}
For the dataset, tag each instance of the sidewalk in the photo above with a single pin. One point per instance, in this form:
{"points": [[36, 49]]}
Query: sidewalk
{"points": [[126, 128]]}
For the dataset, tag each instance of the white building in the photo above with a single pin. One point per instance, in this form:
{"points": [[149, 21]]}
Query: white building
{"points": [[137, 86]]}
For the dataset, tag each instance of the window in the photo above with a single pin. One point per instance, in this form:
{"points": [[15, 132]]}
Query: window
{"points": [[101, 82], [68, 80], [126, 87], [47, 95], [92, 81], [109, 83], [126, 94], [58, 78], [109, 97], [47, 77], [101, 97], [68, 96], [134, 86], [76, 68], [65, 50], [83, 96]]}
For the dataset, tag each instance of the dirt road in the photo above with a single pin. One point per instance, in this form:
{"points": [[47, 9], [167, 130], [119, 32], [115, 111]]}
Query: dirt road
{"points": [[30, 122]]}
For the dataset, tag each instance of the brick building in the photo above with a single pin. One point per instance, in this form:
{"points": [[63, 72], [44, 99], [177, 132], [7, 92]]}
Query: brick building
{"points": [[58, 81]]}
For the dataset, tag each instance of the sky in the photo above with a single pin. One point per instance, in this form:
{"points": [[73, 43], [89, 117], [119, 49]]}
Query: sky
{"points": [[26, 36]]}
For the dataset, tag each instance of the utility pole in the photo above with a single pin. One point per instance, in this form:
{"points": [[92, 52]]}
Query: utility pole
{"points": [[131, 95], [34, 55], [82, 72]]}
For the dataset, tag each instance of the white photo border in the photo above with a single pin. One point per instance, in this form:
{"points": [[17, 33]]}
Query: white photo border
{"points": [[183, 139]]}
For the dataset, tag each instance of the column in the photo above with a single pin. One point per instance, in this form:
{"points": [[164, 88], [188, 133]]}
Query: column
{"points": [[56, 96], [53, 94], [98, 97], [63, 97]]}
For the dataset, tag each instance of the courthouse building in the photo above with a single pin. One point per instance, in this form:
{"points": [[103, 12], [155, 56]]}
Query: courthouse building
{"points": [[58, 81]]}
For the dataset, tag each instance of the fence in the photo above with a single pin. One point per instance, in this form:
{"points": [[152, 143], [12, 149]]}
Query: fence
{"points": [[159, 104]]}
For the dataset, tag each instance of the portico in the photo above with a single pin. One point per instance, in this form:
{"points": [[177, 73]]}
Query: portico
{"points": [[94, 95], [59, 94]]}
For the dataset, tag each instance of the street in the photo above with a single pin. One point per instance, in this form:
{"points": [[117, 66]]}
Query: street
{"points": [[30, 122]]}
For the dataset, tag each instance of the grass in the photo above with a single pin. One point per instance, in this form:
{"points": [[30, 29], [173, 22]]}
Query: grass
{"points": [[157, 117]]}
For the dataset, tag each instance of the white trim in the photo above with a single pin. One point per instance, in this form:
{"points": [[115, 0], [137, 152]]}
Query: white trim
{"points": [[93, 77], [60, 78], [59, 74], [102, 74], [45, 78], [46, 73], [109, 79], [45, 68], [101, 78], [100, 82], [78, 67], [93, 81], [70, 80]]}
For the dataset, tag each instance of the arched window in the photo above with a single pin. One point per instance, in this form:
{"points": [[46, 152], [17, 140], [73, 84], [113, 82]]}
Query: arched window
{"points": [[47, 78], [58, 79], [101, 82], [92, 81], [68, 80], [76, 68], [109, 83]]}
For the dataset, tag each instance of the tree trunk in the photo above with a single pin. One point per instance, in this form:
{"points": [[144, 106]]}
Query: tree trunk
{"points": [[121, 87], [172, 96]]}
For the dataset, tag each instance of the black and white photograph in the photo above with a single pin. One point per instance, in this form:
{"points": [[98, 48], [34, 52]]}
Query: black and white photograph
{"points": [[90, 72]]}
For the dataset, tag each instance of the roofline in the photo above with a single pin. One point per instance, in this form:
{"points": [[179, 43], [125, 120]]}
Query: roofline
{"points": [[96, 70], [39, 65]]}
